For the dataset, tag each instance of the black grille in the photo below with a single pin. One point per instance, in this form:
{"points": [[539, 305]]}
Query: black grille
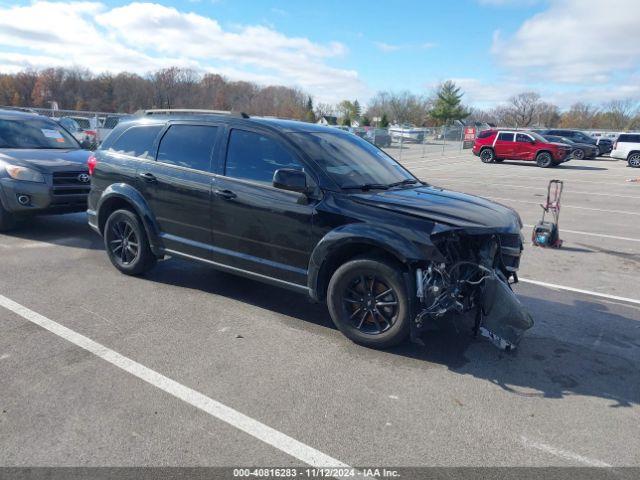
{"points": [[70, 183]]}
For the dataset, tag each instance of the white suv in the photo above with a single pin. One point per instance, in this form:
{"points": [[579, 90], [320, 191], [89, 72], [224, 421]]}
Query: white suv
{"points": [[627, 147]]}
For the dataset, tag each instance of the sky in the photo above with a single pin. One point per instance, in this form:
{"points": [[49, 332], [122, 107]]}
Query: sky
{"points": [[566, 50]]}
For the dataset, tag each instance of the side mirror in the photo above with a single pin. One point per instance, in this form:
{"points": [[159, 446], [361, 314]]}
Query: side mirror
{"points": [[290, 179]]}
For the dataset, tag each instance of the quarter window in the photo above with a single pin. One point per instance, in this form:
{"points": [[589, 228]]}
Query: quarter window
{"points": [[137, 141], [252, 156], [188, 146], [505, 137]]}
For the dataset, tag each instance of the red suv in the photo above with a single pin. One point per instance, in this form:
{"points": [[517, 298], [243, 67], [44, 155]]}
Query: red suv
{"points": [[498, 145]]}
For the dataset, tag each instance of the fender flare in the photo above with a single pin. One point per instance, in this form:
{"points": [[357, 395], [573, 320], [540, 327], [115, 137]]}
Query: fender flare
{"points": [[125, 192], [356, 233]]}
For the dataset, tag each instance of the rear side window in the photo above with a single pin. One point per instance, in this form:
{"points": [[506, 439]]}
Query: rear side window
{"points": [[626, 138], [137, 141], [188, 146], [505, 137], [485, 134], [251, 156]]}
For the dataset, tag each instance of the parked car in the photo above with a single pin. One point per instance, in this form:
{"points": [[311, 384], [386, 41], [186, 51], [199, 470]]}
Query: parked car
{"points": [[575, 135], [313, 209], [110, 122], [627, 147], [495, 146], [579, 151], [406, 134], [86, 138], [605, 145], [43, 169], [378, 136]]}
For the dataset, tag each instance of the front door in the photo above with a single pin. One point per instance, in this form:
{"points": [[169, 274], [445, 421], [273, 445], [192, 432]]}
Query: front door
{"points": [[177, 187], [256, 227]]}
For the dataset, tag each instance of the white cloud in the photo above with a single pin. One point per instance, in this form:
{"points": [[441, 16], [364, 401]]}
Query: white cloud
{"points": [[574, 42], [387, 47], [139, 37]]}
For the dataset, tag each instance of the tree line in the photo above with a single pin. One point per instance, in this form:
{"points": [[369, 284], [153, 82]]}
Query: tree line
{"points": [[80, 89]]}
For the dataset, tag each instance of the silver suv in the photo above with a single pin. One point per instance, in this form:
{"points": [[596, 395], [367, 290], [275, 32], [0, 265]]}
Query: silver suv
{"points": [[627, 147]]}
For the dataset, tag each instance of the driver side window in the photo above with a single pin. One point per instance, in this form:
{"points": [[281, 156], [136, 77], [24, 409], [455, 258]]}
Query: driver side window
{"points": [[522, 138], [255, 157]]}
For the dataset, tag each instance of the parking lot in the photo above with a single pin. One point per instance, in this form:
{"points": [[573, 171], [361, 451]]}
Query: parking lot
{"points": [[260, 377]]}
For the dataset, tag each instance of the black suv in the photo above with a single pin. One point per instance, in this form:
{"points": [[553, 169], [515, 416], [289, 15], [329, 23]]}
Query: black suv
{"points": [[577, 136], [312, 209], [43, 169]]}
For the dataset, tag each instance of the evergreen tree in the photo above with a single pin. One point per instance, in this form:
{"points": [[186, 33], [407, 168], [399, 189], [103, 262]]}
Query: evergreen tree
{"points": [[356, 109], [448, 105], [384, 121]]}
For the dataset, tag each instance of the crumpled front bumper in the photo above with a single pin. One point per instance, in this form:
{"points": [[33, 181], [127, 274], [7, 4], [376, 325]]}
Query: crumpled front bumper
{"points": [[504, 319]]}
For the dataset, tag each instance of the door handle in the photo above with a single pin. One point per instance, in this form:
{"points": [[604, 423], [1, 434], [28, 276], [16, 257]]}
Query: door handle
{"points": [[148, 177], [226, 194]]}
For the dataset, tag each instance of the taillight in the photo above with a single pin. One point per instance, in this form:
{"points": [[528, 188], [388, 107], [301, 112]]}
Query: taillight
{"points": [[615, 146], [92, 161], [90, 132]]}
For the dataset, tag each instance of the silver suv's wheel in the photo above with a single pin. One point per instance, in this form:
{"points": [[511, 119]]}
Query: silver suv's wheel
{"points": [[634, 160]]}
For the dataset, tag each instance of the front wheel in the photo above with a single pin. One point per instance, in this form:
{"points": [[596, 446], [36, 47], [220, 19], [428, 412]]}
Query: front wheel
{"points": [[634, 160], [544, 160], [578, 154], [487, 156], [126, 243], [368, 302]]}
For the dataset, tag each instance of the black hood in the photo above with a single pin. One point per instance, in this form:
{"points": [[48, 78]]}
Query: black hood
{"points": [[453, 209], [46, 160]]}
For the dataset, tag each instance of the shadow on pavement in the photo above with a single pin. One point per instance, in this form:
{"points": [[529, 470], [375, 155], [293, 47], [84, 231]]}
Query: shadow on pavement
{"points": [[575, 348], [69, 230]]}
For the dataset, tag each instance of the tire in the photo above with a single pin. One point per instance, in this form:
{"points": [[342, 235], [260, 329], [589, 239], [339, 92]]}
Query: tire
{"points": [[369, 303], [126, 243], [634, 160], [578, 154], [544, 160], [487, 155], [7, 220], [598, 151]]}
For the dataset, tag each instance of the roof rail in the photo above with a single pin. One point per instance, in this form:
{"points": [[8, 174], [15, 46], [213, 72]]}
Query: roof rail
{"points": [[189, 111]]}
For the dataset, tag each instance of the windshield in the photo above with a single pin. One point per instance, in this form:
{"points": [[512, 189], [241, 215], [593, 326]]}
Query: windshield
{"points": [[34, 133], [352, 162], [537, 137]]}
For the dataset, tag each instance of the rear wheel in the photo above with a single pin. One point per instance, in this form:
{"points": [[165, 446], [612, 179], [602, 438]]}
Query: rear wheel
{"points": [[544, 160], [126, 243], [634, 160], [7, 220], [368, 302], [487, 156]]}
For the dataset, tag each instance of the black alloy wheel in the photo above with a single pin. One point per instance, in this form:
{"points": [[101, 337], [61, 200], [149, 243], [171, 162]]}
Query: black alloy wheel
{"points": [[578, 154], [369, 303], [487, 155], [544, 160], [126, 243]]}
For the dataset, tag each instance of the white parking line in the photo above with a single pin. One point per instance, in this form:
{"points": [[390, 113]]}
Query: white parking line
{"points": [[601, 235], [253, 427], [625, 212], [579, 290], [558, 452]]}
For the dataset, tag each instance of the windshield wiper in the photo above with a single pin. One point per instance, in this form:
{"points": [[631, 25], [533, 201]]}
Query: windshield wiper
{"points": [[408, 181], [366, 186]]}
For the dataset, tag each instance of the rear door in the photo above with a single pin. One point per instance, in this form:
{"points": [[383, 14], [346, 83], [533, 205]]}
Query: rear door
{"points": [[504, 145], [177, 186]]}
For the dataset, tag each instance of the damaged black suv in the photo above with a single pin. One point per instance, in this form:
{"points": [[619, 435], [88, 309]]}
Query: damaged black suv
{"points": [[309, 208]]}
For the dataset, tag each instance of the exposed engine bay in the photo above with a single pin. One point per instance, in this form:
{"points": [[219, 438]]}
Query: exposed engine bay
{"points": [[474, 278]]}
